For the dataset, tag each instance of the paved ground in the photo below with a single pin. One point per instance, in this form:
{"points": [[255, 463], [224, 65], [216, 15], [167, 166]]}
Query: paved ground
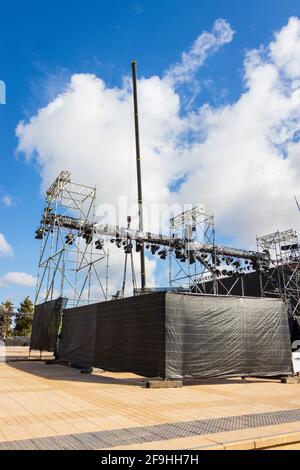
{"points": [[43, 401]]}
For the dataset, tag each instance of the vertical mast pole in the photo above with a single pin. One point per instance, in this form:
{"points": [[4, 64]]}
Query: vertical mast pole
{"points": [[138, 169]]}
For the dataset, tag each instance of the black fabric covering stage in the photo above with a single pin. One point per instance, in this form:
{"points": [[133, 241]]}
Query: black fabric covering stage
{"points": [[175, 335], [45, 326], [119, 335]]}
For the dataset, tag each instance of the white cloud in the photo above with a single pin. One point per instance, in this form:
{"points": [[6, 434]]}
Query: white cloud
{"points": [[242, 160], [206, 44], [7, 200], [5, 248], [17, 278], [284, 50]]}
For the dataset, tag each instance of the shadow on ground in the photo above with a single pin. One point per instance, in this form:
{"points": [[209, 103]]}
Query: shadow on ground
{"points": [[67, 373]]}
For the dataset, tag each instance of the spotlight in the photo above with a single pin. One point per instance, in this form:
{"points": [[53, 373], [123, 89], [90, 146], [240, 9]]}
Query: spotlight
{"points": [[178, 254], [163, 254], [138, 246], [39, 234], [128, 248], [191, 257], [154, 249], [112, 240], [69, 239], [99, 244], [147, 246], [224, 272], [119, 243], [183, 259], [88, 235]]}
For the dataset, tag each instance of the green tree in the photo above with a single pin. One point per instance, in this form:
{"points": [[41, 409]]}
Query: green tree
{"points": [[6, 315], [24, 317]]}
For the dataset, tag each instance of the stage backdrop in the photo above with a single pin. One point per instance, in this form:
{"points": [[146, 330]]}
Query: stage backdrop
{"points": [[174, 335]]}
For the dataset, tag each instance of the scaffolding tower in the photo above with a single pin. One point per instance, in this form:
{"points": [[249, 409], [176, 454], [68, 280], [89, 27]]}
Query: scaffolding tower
{"points": [[198, 264], [280, 277], [70, 248], [189, 267]]}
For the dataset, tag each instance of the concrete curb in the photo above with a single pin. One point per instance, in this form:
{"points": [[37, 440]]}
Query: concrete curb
{"points": [[258, 443]]}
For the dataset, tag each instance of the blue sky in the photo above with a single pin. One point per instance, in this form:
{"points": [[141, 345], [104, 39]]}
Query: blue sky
{"points": [[43, 43]]}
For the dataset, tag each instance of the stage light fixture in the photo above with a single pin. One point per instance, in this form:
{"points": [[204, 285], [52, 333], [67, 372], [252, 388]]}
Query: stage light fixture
{"points": [[191, 257], [39, 234], [128, 248], [154, 249], [138, 246], [69, 239], [99, 244], [88, 236]]}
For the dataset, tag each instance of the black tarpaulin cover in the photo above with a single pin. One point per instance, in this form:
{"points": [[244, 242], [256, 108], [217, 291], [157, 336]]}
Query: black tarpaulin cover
{"points": [[174, 335], [218, 336], [119, 335], [45, 325]]}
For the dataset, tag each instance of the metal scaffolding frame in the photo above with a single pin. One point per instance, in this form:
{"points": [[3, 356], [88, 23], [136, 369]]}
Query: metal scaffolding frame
{"points": [[70, 249], [73, 244], [198, 264], [190, 267], [280, 276]]}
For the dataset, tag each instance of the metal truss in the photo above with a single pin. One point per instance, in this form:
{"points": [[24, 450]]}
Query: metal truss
{"points": [[189, 268], [70, 250], [73, 244], [281, 277], [198, 264]]}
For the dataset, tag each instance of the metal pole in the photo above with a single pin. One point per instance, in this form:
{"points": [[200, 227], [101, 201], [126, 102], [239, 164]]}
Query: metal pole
{"points": [[138, 169]]}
